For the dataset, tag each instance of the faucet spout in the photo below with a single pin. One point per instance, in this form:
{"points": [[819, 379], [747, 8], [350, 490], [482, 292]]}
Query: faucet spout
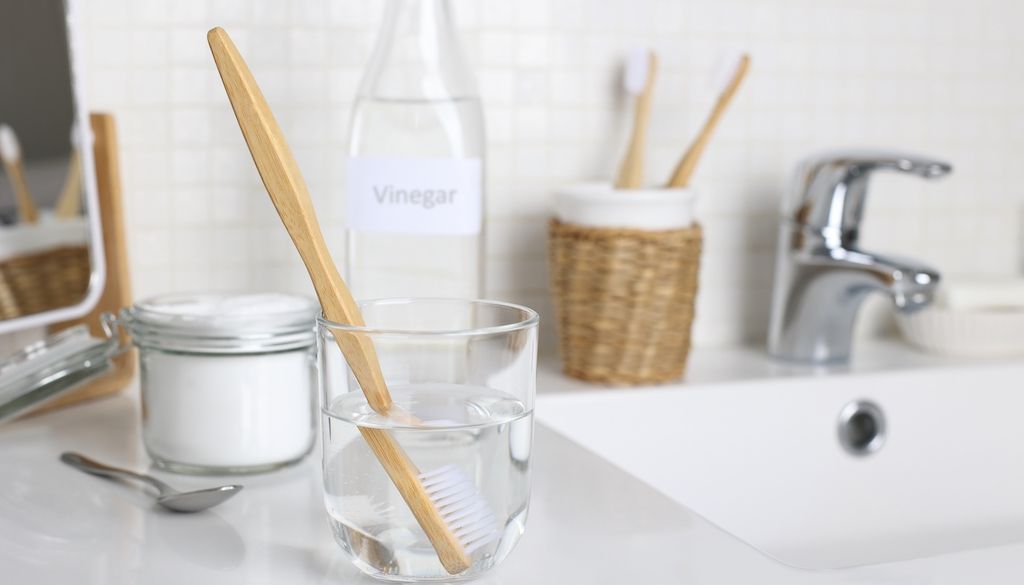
{"points": [[911, 284]]}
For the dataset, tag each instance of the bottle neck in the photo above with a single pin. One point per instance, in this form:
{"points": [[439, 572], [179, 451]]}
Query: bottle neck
{"points": [[428, 20], [417, 54]]}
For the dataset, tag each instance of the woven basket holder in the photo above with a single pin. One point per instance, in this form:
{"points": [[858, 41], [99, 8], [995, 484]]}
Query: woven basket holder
{"points": [[624, 301], [43, 281]]}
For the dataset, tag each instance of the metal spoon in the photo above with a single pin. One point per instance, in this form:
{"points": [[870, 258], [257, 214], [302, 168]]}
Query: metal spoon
{"points": [[168, 497]]}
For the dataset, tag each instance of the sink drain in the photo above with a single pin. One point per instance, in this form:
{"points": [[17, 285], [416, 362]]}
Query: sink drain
{"points": [[861, 427]]}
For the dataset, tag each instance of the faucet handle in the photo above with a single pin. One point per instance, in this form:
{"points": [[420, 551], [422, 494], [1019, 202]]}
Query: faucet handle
{"points": [[827, 192]]}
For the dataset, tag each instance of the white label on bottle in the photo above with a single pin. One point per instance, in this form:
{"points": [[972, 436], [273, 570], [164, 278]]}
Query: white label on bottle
{"points": [[414, 195]]}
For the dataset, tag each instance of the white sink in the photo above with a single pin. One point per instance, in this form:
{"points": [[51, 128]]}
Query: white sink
{"points": [[762, 459]]}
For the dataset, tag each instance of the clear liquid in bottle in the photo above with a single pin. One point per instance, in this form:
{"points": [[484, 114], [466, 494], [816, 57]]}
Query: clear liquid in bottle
{"points": [[415, 168]]}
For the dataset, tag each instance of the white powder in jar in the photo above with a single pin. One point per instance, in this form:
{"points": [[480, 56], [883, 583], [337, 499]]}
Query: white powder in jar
{"points": [[219, 393], [228, 411]]}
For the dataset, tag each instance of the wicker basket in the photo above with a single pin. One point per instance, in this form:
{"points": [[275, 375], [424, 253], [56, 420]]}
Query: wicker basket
{"points": [[42, 281], [624, 301]]}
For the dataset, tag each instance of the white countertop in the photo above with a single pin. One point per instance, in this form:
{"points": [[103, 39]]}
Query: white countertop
{"points": [[589, 521]]}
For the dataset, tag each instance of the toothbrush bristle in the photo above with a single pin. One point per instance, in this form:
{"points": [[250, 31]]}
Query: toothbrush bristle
{"points": [[462, 507], [10, 150], [635, 76]]}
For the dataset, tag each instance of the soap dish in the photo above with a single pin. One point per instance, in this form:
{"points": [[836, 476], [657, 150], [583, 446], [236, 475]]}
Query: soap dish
{"points": [[968, 333]]}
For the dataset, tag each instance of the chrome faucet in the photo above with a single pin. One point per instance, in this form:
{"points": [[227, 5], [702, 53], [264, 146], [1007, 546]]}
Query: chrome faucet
{"points": [[821, 277]]}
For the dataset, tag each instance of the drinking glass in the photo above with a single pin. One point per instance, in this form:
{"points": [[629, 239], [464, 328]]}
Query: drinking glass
{"points": [[466, 372]]}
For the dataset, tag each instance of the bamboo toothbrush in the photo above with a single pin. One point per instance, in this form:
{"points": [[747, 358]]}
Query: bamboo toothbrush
{"points": [[69, 203], [737, 70], [10, 152], [638, 79], [445, 503]]}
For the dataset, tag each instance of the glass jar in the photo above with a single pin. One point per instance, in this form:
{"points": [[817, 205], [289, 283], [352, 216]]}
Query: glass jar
{"points": [[227, 380], [466, 373]]}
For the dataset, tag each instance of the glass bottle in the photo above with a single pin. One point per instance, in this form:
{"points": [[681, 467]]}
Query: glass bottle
{"points": [[414, 195]]}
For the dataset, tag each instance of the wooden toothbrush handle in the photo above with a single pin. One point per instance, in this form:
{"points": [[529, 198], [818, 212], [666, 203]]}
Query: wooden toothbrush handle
{"points": [[27, 212], [69, 204], [287, 189], [684, 170], [631, 173]]}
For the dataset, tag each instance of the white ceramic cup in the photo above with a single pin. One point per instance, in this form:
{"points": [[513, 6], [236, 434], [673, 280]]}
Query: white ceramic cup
{"points": [[601, 205]]}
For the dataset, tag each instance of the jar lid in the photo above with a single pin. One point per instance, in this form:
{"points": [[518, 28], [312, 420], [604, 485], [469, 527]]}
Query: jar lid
{"points": [[47, 368], [223, 322]]}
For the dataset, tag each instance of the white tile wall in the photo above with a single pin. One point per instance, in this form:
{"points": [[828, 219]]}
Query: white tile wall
{"points": [[942, 77]]}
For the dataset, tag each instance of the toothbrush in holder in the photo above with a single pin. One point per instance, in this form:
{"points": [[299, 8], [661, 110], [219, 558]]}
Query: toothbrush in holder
{"points": [[731, 77], [69, 203], [447, 506], [10, 153], [638, 80]]}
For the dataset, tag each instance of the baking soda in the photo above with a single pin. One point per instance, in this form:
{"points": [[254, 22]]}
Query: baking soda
{"points": [[228, 411]]}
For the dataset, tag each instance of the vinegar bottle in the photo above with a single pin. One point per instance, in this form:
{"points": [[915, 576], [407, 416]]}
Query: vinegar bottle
{"points": [[414, 181]]}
